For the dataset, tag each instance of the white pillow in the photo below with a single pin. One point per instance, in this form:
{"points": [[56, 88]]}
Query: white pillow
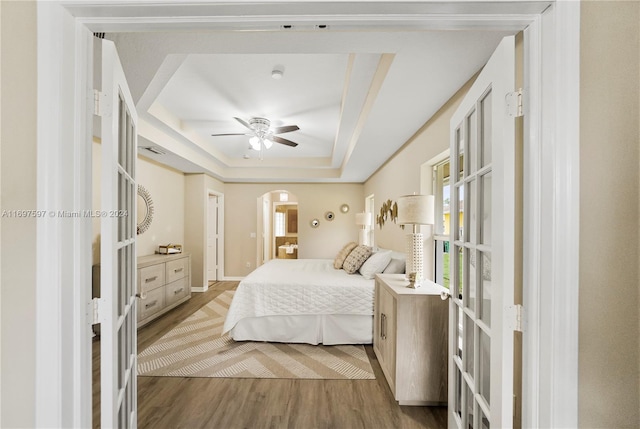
{"points": [[396, 266], [398, 263], [376, 263]]}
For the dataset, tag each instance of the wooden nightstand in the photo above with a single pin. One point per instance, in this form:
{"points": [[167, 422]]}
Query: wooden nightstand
{"points": [[410, 339]]}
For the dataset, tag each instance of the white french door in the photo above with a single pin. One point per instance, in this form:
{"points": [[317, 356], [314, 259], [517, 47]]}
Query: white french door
{"points": [[118, 247], [482, 249]]}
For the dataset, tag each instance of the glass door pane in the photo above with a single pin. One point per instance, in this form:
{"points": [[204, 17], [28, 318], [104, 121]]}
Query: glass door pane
{"points": [[472, 267], [483, 212]]}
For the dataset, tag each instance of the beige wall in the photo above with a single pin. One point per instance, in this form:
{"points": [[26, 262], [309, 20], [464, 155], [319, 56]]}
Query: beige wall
{"points": [[609, 182], [18, 180], [314, 200], [167, 189], [401, 175], [196, 189]]}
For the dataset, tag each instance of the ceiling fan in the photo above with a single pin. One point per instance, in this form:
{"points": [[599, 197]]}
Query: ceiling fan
{"points": [[262, 133]]}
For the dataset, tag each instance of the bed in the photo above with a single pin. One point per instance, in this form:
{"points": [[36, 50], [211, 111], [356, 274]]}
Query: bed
{"points": [[302, 301]]}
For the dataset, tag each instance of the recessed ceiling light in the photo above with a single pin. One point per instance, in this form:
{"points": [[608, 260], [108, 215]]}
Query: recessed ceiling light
{"points": [[277, 72]]}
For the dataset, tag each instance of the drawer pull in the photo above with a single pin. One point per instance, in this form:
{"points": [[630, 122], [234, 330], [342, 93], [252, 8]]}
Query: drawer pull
{"points": [[151, 304], [385, 326], [175, 292], [177, 270], [150, 279]]}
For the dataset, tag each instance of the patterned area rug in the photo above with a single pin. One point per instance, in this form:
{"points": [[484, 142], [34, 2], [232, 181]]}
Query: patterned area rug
{"points": [[195, 348]]}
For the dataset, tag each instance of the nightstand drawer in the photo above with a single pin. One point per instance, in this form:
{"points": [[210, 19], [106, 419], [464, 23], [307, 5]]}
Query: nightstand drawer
{"points": [[151, 277], [151, 303], [176, 291], [177, 269]]}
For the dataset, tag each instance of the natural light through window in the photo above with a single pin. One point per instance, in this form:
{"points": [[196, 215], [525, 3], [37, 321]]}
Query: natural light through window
{"points": [[443, 222], [279, 224]]}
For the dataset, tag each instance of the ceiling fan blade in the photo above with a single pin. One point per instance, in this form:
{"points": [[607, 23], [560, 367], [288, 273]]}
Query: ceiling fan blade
{"points": [[243, 122], [283, 141], [231, 134], [285, 129]]}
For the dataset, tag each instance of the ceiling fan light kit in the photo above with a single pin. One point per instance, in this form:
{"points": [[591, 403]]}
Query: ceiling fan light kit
{"points": [[262, 135]]}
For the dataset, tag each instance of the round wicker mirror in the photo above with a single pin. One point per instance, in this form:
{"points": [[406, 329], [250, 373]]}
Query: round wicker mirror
{"points": [[145, 210]]}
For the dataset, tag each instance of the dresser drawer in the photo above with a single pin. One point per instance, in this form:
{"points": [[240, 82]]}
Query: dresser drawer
{"points": [[151, 277], [177, 269], [177, 290], [153, 302]]}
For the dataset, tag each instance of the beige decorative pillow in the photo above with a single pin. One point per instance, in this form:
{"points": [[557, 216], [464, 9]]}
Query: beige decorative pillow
{"points": [[356, 258], [342, 255]]}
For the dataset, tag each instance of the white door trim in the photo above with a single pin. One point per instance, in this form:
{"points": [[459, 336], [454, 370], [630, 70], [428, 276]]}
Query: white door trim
{"points": [[63, 258], [550, 377], [220, 250], [551, 219]]}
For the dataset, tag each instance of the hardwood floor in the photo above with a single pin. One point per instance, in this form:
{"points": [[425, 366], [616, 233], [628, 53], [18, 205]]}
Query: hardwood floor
{"points": [[225, 403]]}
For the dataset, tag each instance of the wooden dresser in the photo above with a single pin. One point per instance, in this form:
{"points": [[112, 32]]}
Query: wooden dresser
{"points": [[164, 281], [410, 339]]}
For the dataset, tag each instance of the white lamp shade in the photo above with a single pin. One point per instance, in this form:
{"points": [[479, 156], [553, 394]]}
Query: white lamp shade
{"points": [[268, 143], [363, 219], [416, 210]]}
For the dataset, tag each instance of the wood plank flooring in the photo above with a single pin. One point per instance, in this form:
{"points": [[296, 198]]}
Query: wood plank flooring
{"points": [[168, 402]]}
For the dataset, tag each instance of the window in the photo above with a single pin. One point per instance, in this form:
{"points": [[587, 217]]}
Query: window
{"points": [[279, 224], [369, 207], [443, 222]]}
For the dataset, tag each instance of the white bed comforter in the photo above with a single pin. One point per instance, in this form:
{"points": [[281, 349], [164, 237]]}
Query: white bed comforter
{"points": [[300, 286]]}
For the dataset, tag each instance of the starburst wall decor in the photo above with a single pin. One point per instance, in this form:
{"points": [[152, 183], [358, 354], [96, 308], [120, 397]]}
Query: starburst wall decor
{"points": [[388, 212]]}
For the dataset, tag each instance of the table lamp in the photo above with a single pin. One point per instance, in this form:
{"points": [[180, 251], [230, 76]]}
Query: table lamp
{"points": [[415, 210], [364, 220]]}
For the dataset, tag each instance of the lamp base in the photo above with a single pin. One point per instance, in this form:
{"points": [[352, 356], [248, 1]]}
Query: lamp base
{"points": [[415, 259], [363, 237]]}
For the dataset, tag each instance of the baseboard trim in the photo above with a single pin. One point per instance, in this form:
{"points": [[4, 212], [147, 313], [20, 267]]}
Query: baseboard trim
{"points": [[232, 279]]}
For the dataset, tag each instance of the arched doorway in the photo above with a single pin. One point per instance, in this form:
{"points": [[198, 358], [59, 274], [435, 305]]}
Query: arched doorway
{"points": [[277, 226]]}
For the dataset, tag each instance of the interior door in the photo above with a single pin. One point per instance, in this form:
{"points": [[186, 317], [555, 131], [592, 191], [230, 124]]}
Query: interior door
{"points": [[212, 239], [482, 254], [118, 246], [266, 230]]}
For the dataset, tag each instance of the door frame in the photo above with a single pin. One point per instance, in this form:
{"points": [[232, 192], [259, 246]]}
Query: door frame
{"points": [[64, 53], [220, 244], [274, 204]]}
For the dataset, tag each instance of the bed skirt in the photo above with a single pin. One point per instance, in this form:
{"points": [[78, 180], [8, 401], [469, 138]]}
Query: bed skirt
{"points": [[329, 329]]}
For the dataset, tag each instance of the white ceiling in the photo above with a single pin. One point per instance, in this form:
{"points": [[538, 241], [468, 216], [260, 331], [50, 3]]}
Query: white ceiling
{"points": [[357, 96]]}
